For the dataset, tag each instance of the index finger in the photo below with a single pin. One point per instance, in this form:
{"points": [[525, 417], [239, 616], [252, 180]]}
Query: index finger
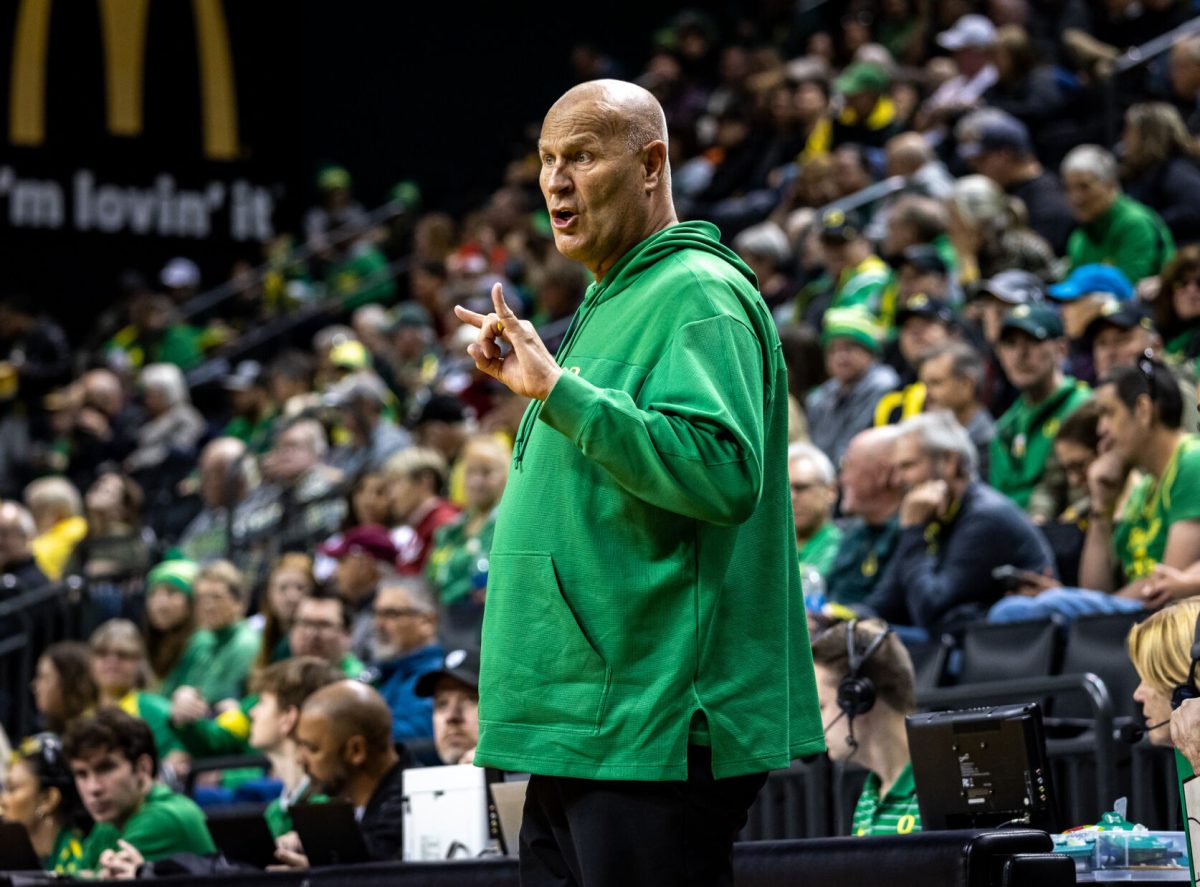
{"points": [[468, 316]]}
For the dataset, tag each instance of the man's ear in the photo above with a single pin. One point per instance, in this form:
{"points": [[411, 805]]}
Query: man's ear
{"points": [[1143, 410], [654, 164], [355, 751], [289, 719], [144, 767]]}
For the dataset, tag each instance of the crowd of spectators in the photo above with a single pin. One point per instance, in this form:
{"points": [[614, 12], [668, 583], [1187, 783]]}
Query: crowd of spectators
{"points": [[984, 266]]}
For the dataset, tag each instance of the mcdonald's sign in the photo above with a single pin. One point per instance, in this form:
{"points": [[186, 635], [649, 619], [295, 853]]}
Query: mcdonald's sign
{"points": [[123, 37]]}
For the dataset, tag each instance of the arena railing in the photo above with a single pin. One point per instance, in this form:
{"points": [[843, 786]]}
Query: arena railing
{"points": [[1134, 58]]}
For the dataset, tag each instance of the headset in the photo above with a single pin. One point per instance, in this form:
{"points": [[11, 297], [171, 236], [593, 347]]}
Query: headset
{"points": [[856, 693], [1185, 691]]}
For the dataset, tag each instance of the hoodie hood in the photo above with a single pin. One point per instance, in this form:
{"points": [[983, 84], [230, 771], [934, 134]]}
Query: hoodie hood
{"points": [[674, 238]]}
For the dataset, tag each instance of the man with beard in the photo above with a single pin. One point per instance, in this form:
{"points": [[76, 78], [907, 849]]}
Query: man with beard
{"points": [[344, 743]]}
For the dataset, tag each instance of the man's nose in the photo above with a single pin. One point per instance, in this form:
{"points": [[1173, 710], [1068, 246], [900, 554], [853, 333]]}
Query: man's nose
{"points": [[557, 179]]}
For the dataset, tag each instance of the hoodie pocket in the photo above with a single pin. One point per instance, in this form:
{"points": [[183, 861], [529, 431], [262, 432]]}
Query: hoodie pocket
{"points": [[552, 678]]}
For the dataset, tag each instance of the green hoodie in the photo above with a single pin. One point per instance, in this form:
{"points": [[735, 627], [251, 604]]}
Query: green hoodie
{"points": [[643, 590]]}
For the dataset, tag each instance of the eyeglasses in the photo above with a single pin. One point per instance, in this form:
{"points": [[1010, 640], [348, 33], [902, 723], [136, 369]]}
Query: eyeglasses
{"points": [[396, 612]]}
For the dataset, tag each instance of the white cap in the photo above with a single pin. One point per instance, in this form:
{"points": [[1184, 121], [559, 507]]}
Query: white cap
{"points": [[180, 272], [969, 31]]}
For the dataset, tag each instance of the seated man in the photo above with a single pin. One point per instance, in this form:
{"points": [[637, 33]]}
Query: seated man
{"points": [[870, 729], [1022, 464], [954, 531], [814, 492], [953, 379], [1140, 552], [869, 495], [455, 691], [404, 648], [282, 689], [345, 747], [113, 759], [844, 405]]}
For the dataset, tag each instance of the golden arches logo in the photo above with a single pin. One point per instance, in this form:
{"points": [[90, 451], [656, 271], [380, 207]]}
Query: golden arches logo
{"points": [[123, 31]]}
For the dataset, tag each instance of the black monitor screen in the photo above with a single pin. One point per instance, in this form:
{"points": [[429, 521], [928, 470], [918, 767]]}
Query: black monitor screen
{"points": [[981, 768]]}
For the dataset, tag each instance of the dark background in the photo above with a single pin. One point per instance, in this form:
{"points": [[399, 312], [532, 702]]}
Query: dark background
{"points": [[442, 93]]}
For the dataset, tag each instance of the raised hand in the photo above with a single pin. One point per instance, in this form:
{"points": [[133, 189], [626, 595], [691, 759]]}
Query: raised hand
{"points": [[528, 369]]}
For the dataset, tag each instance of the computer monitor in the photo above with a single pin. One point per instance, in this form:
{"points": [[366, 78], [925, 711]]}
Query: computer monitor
{"points": [[982, 767]]}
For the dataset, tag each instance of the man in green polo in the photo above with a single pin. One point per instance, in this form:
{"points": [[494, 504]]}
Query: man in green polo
{"points": [[645, 653], [814, 492], [113, 759], [1021, 455]]}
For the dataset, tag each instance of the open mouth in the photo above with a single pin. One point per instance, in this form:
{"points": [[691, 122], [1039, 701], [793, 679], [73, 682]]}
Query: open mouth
{"points": [[561, 218]]}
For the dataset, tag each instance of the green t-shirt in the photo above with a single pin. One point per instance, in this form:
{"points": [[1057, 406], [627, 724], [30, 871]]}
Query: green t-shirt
{"points": [[156, 712], [1140, 534], [164, 825], [217, 663], [897, 813], [68, 851], [1024, 440], [821, 549], [458, 559], [863, 285]]}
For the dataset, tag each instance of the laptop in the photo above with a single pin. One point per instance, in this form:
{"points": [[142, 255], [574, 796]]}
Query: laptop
{"points": [[329, 833], [243, 837], [16, 850], [508, 800]]}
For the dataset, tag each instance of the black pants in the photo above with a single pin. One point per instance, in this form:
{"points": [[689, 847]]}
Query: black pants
{"points": [[594, 833]]}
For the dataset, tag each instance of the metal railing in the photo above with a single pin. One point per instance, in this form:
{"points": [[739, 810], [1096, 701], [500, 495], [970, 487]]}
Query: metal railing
{"points": [[1132, 59]]}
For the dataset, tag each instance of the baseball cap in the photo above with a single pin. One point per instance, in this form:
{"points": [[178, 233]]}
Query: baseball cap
{"points": [[921, 305], [925, 257], [1040, 321], [409, 315], [369, 539], [839, 225], [1016, 287], [1093, 278], [1000, 132], [969, 31], [350, 355], [862, 77], [855, 324], [180, 272], [461, 664], [1122, 315], [247, 375], [333, 178]]}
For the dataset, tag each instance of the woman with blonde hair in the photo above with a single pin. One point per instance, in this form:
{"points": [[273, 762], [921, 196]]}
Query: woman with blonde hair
{"points": [[1160, 648], [1160, 166], [121, 669]]}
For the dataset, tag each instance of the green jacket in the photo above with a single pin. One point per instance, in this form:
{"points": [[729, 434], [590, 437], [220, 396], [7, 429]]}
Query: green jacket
{"points": [[156, 712], [821, 550], [1024, 441], [643, 590], [164, 825], [1130, 236], [216, 663]]}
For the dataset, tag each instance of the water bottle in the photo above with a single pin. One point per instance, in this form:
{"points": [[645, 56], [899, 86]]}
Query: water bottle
{"points": [[813, 585]]}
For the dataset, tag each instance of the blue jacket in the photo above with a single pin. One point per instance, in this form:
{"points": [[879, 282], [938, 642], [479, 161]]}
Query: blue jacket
{"points": [[412, 715]]}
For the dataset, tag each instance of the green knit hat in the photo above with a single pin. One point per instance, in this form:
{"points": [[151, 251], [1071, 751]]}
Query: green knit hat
{"points": [[856, 324], [179, 573]]}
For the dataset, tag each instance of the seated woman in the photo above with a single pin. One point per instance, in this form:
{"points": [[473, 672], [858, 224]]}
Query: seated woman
{"points": [[39, 793], [291, 580], [865, 687], [1160, 648], [62, 685], [170, 618], [119, 668], [458, 564]]}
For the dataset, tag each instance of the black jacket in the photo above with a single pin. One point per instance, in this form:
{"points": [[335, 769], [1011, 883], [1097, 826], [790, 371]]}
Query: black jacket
{"points": [[382, 822]]}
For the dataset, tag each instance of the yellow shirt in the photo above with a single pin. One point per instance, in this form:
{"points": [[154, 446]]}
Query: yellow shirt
{"points": [[53, 548]]}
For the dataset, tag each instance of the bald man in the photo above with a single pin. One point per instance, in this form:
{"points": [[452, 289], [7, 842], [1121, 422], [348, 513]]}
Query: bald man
{"points": [[344, 744], [645, 652]]}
